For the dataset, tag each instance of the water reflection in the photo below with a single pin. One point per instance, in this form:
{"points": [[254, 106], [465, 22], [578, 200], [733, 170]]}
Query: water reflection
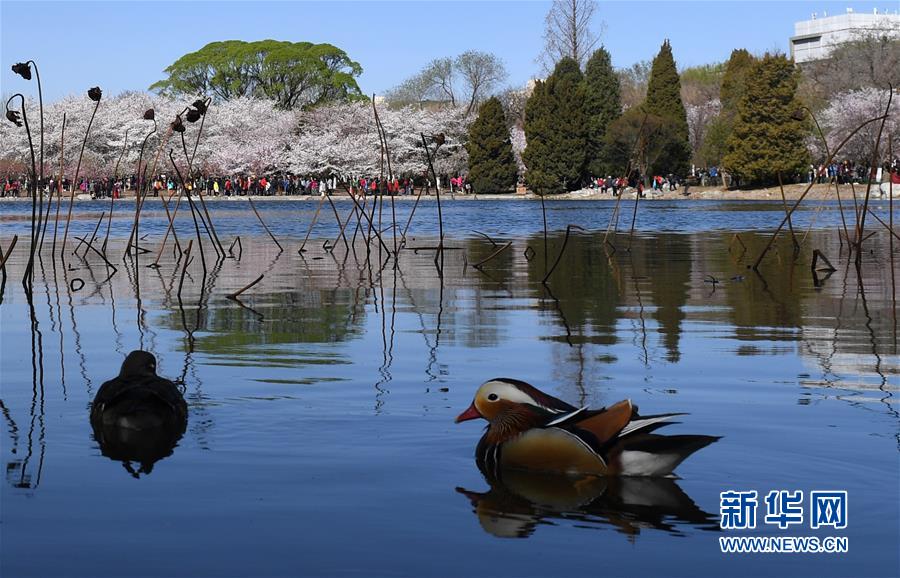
{"points": [[138, 416], [139, 450], [521, 501], [339, 363]]}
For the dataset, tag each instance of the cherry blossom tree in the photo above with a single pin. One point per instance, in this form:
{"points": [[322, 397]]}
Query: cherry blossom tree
{"points": [[245, 135], [846, 111], [699, 117], [343, 139], [517, 137]]}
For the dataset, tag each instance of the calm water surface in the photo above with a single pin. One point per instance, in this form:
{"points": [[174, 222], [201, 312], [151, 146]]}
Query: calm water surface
{"points": [[320, 436]]}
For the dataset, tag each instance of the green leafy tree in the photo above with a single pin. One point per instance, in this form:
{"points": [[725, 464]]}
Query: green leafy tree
{"points": [[492, 166], [664, 100], [555, 131], [294, 74], [602, 106], [768, 138]]}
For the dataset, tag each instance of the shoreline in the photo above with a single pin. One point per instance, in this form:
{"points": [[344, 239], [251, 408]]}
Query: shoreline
{"points": [[792, 192]]}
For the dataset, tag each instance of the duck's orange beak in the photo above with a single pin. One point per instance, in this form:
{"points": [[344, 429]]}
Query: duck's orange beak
{"points": [[471, 413]]}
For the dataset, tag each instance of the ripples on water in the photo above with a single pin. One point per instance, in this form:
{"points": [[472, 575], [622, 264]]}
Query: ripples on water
{"points": [[321, 440]]}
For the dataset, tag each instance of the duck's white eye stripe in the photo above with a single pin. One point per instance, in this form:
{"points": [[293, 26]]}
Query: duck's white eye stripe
{"points": [[508, 392]]}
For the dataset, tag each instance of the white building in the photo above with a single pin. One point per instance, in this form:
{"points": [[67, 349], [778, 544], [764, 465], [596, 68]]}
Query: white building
{"points": [[814, 39]]}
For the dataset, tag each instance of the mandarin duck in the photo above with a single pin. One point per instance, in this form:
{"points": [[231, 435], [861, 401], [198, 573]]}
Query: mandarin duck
{"points": [[531, 430], [138, 416]]}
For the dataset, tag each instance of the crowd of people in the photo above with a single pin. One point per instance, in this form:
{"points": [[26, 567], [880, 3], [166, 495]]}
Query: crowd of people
{"points": [[235, 185], [845, 173], [617, 185], [289, 184]]}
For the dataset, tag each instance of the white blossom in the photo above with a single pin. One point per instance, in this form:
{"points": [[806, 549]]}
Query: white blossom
{"points": [[846, 111], [243, 135], [517, 137]]}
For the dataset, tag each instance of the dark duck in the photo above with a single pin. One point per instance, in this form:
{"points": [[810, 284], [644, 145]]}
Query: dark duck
{"points": [[138, 415]]}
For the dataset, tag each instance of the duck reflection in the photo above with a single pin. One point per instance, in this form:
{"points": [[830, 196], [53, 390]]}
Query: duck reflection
{"points": [[516, 504], [138, 417]]}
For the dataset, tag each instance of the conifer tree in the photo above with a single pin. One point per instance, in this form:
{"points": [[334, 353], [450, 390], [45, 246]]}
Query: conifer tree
{"points": [[603, 105], [733, 86], [537, 139], [768, 138], [492, 166], [555, 131], [664, 100], [734, 79]]}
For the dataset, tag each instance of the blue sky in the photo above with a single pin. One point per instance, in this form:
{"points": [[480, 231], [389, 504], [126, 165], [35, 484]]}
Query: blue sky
{"points": [[126, 45]]}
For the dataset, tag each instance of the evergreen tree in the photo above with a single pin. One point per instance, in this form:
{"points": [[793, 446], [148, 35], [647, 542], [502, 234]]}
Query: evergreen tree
{"points": [[603, 105], [735, 78], [555, 131], [492, 166], [537, 138], [664, 100], [768, 138], [640, 141], [733, 86]]}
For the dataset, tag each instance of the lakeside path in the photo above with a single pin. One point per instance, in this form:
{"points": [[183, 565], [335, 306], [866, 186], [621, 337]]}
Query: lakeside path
{"points": [[791, 192]]}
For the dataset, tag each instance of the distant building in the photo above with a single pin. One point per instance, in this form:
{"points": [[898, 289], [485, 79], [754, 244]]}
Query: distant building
{"points": [[814, 39], [532, 82]]}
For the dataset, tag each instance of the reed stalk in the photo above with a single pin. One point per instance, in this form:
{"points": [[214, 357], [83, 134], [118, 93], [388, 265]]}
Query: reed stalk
{"points": [[437, 192], [615, 213], [59, 184], [788, 215], [62, 251], [312, 224], [369, 219], [28, 277], [3, 258], [891, 240], [561, 251], [479, 264], [193, 212], [387, 154], [139, 190], [112, 195], [837, 191], [187, 261], [337, 218], [768, 246], [234, 296], [258, 216], [170, 229], [861, 226]]}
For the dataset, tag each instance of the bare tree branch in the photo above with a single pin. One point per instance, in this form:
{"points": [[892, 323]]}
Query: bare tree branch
{"points": [[569, 32], [481, 71]]}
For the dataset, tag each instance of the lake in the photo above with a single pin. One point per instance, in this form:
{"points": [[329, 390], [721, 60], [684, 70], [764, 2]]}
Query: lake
{"points": [[320, 437]]}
